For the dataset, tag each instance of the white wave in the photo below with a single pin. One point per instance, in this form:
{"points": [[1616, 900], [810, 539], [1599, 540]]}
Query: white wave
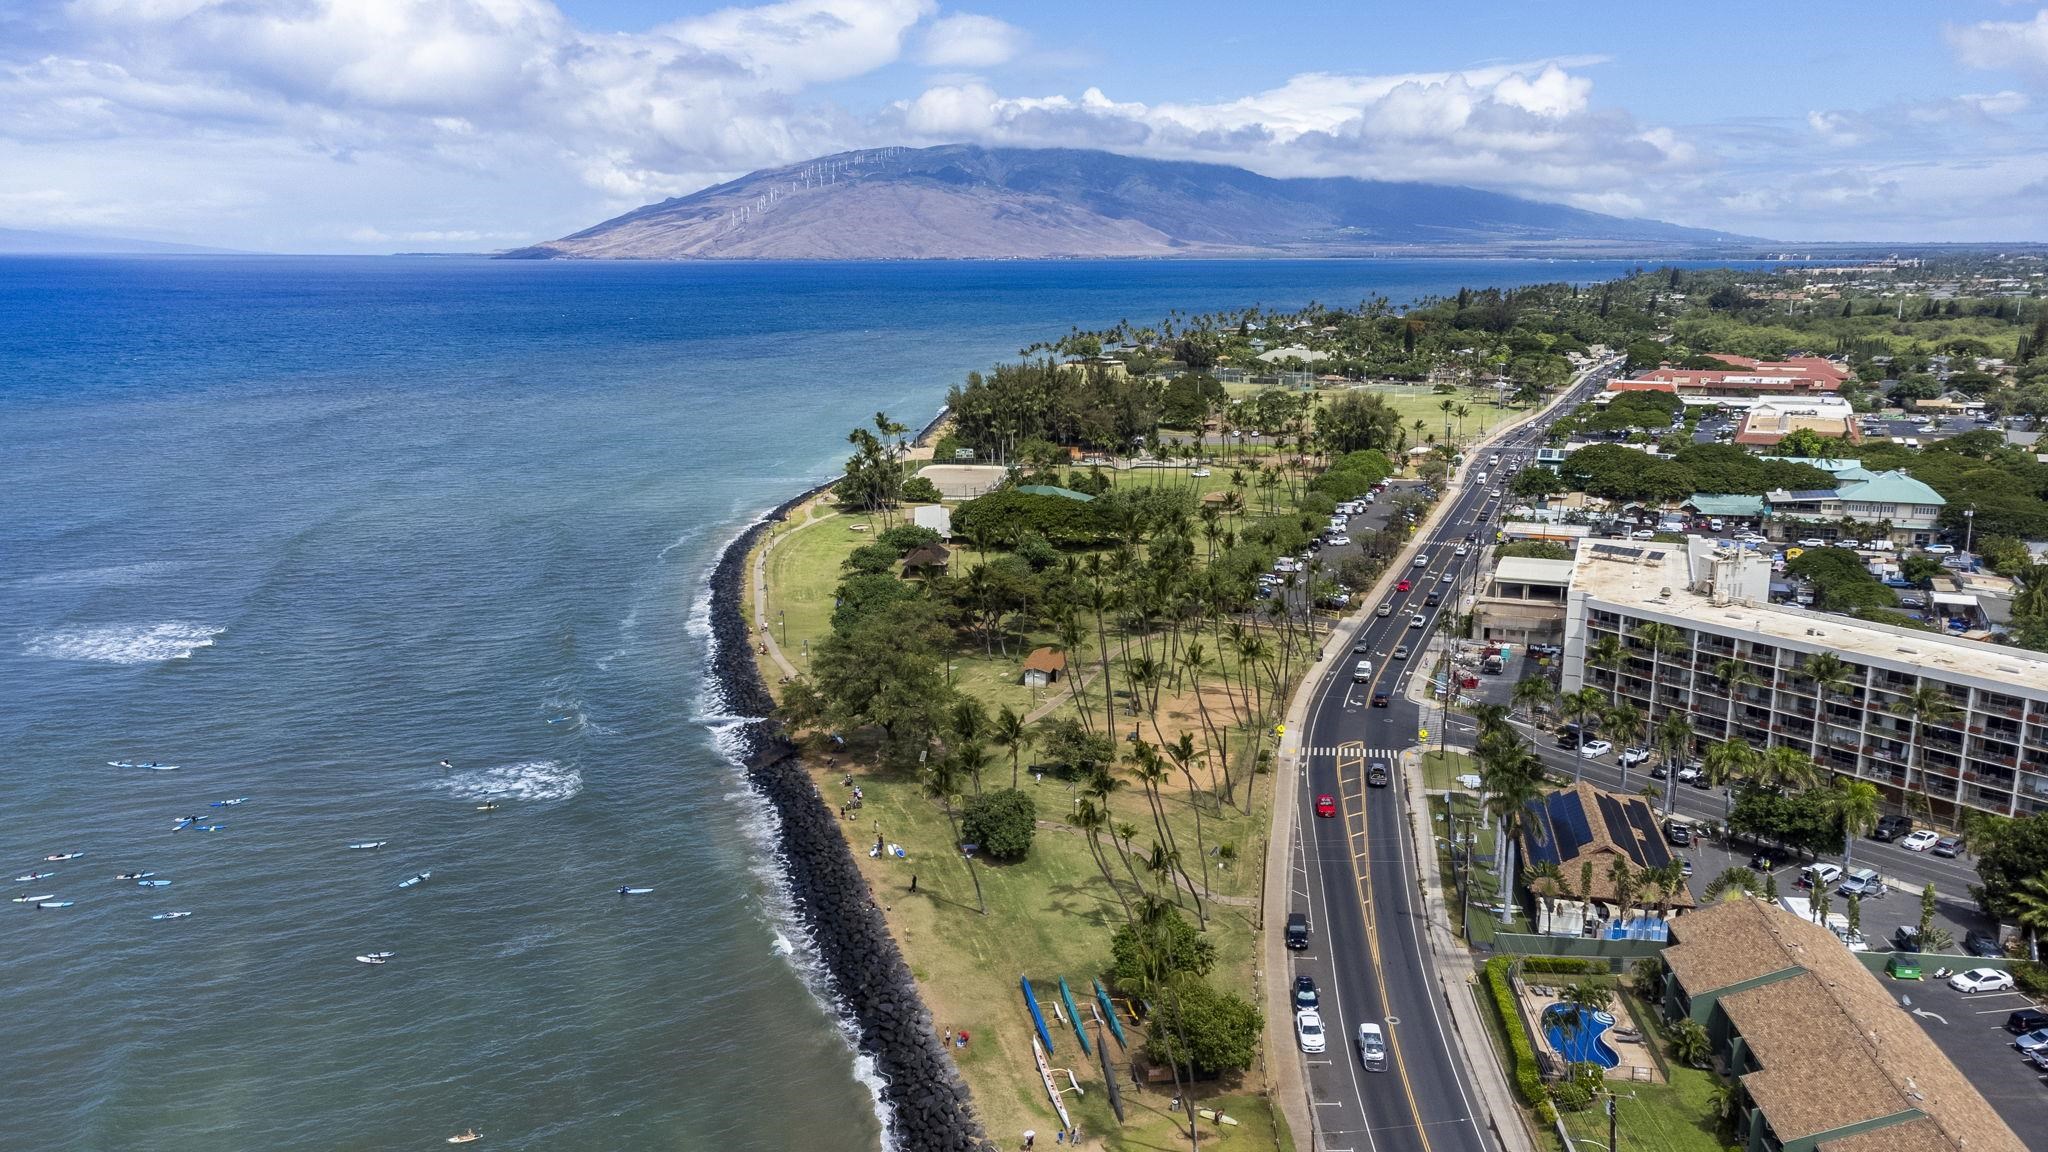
{"points": [[533, 780], [678, 542], [107, 576], [124, 643]]}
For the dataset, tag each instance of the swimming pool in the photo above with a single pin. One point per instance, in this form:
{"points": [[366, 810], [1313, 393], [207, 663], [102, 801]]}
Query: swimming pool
{"points": [[1582, 1044]]}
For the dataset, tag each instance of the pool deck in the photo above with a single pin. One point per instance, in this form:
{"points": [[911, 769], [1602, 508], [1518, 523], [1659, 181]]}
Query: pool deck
{"points": [[1637, 1064]]}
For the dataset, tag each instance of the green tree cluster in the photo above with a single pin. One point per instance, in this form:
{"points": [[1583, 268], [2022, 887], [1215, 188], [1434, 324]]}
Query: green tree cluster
{"points": [[1001, 822]]}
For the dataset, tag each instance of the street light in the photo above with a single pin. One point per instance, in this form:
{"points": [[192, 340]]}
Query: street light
{"points": [[1969, 525]]}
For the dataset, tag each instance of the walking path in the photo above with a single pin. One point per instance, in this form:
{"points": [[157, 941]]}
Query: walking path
{"points": [[768, 644]]}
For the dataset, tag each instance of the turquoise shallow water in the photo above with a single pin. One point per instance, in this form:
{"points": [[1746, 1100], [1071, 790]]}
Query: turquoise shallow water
{"points": [[306, 528]]}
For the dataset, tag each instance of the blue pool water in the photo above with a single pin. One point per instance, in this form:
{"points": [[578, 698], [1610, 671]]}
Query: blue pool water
{"points": [[1581, 1045]]}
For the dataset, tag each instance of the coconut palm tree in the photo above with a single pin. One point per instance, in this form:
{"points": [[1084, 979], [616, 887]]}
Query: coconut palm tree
{"points": [[942, 783], [1674, 745], [1625, 723], [1728, 763], [1513, 779], [1607, 652], [1581, 706], [1784, 768], [1929, 703], [1534, 692], [1734, 675], [1663, 640], [1854, 803], [1010, 731], [2030, 911]]}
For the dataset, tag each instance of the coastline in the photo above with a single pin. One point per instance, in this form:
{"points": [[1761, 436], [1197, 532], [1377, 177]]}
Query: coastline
{"points": [[927, 1105]]}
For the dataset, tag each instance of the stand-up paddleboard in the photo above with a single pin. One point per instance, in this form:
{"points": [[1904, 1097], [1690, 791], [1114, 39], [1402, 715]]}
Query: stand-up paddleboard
{"points": [[152, 883], [56, 904], [490, 807], [134, 875], [634, 891], [207, 827], [64, 856], [369, 959], [170, 916], [1210, 1114], [380, 955], [152, 765], [368, 845], [35, 899], [33, 877], [409, 881], [183, 822], [229, 803], [466, 1137]]}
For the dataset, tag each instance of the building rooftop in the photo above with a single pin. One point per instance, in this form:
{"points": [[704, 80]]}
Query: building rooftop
{"points": [[1893, 487], [1834, 1048], [1530, 570], [1707, 504], [1654, 581], [1046, 660], [1584, 823]]}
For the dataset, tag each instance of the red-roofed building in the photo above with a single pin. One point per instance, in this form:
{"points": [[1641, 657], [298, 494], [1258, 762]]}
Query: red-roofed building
{"points": [[1804, 375]]}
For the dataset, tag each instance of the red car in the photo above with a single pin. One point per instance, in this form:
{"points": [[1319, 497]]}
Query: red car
{"points": [[1401, 587], [1326, 805]]}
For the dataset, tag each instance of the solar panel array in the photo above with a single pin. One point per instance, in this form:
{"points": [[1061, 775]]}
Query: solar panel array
{"points": [[1559, 826]]}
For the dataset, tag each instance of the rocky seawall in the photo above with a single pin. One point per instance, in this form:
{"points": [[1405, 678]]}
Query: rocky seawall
{"points": [[928, 1102]]}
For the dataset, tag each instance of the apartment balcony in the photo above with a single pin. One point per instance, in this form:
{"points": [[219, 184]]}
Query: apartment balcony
{"points": [[1998, 710], [1801, 712]]}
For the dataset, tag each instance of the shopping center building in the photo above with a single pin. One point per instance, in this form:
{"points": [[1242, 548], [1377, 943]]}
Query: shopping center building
{"points": [[1739, 666]]}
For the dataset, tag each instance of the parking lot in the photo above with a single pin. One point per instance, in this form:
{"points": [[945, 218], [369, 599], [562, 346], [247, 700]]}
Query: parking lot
{"points": [[1970, 1031]]}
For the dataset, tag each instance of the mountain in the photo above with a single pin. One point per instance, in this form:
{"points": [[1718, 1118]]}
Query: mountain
{"points": [[960, 201], [20, 242]]}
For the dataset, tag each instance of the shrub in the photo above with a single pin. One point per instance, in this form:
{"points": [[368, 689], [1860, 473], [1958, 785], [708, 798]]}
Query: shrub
{"points": [[919, 490], [1221, 1029], [905, 537], [877, 559], [1528, 1080], [1034, 549], [1002, 822], [1566, 964]]}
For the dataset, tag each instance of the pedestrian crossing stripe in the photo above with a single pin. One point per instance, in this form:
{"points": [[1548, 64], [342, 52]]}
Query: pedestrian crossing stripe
{"points": [[1354, 751]]}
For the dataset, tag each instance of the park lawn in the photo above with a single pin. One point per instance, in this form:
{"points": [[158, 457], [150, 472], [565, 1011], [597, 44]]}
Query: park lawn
{"points": [[1050, 915], [1440, 770], [1422, 403], [1674, 1117]]}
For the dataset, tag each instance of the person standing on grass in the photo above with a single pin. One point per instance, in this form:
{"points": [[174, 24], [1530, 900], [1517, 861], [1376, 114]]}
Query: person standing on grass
{"points": [[1029, 1137]]}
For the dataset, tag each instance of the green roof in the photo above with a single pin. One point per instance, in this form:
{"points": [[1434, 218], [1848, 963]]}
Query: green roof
{"points": [[1049, 490], [1836, 465], [1893, 487], [1708, 505]]}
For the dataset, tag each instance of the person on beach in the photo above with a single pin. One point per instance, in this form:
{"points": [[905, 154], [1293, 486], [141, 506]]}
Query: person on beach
{"points": [[1029, 1137]]}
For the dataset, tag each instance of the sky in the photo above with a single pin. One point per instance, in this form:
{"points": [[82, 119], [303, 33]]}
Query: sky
{"points": [[471, 125]]}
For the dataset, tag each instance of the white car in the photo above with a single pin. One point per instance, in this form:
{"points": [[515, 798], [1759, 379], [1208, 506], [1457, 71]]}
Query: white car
{"points": [[1200, 473], [1372, 1048], [1813, 542], [1493, 493], [1981, 980], [1339, 540], [1919, 841], [1422, 561], [1819, 875], [1630, 757], [1308, 1028], [1596, 747], [1642, 534], [1386, 609], [1940, 549], [1464, 549], [1416, 621], [1447, 577]]}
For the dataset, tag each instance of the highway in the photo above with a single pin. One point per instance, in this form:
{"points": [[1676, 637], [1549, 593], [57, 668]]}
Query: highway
{"points": [[1353, 873]]}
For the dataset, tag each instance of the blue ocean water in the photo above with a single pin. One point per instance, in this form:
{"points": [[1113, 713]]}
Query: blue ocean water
{"points": [[306, 527]]}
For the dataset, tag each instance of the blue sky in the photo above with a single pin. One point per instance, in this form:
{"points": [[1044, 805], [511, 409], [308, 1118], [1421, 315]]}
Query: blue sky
{"points": [[373, 125]]}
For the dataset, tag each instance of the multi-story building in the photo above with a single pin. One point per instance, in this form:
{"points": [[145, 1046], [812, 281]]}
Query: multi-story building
{"points": [[1924, 716], [1908, 506], [1523, 601]]}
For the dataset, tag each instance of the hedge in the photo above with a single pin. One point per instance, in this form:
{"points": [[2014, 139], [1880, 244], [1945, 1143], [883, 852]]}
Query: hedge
{"points": [[1573, 965], [1528, 1080]]}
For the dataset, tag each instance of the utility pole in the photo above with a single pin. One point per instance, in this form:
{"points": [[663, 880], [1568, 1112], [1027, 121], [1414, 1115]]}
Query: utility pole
{"points": [[1611, 1134]]}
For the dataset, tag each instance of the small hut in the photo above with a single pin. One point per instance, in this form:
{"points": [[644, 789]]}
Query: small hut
{"points": [[1044, 667]]}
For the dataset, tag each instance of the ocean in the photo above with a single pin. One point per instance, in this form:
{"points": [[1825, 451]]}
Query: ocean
{"points": [[308, 527]]}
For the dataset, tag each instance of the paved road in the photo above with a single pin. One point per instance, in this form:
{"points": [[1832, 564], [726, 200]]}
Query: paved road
{"points": [[1353, 872]]}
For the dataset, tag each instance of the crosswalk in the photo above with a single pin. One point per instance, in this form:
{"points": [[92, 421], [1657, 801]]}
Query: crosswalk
{"points": [[1353, 752]]}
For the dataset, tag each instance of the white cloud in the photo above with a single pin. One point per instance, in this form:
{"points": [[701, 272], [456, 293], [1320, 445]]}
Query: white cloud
{"points": [[965, 40], [2015, 45]]}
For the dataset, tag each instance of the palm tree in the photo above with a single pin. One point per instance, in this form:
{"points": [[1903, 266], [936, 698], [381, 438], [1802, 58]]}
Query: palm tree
{"points": [[2032, 597], [1690, 1044], [1010, 731], [1093, 820], [1784, 768], [942, 783], [1182, 752], [1727, 763], [1726, 1101], [1927, 704], [1854, 803], [1447, 408], [2030, 911], [1674, 744], [1662, 640], [1738, 878], [1625, 724], [1534, 692], [1513, 779], [1607, 652], [1734, 675], [1830, 675], [1582, 706], [1489, 717], [1627, 883]]}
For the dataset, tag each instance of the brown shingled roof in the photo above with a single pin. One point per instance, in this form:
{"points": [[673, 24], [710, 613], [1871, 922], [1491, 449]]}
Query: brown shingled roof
{"points": [[1833, 1047], [1050, 660], [1723, 945], [1637, 827]]}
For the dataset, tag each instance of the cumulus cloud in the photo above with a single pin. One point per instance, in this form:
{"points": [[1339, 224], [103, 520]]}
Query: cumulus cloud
{"points": [[2015, 45], [965, 40]]}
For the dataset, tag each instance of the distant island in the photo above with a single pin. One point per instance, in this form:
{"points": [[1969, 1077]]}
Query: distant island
{"points": [[961, 201], [24, 242]]}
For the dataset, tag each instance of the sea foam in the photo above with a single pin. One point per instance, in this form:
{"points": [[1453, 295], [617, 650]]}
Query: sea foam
{"points": [[534, 780], [124, 643]]}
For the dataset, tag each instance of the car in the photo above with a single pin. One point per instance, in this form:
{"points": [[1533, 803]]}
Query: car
{"points": [[1642, 534], [1339, 540], [1819, 875], [1493, 493], [2026, 1020], [1630, 757], [1940, 549], [1305, 994], [1380, 699], [1386, 609], [1422, 560], [1200, 473], [1864, 882], [1447, 577], [1948, 846], [1919, 841], [1762, 860], [1401, 587], [1660, 772], [1985, 944], [1400, 651], [1361, 647], [1813, 542], [1417, 620], [1377, 776], [1432, 600], [1685, 865], [1463, 550], [1326, 806], [1981, 980], [1596, 748], [1308, 1028], [1297, 931], [1678, 832], [1905, 938], [1891, 827], [2031, 1041], [1372, 1048]]}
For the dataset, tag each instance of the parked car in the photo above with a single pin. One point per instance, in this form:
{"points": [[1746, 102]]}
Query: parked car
{"points": [[1940, 549], [1905, 938], [1981, 980], [2032, 1041], [1297, 930], [1630, 757], [1678, 832], [1305, 994], [1889, 828], [1949, 846], [1819, 875], [1372, 1048], [1985, 944], [1864, 882], [2026, 1020], [1813, 542], [1919, 841], [1308, 1028], [1596, 748], [1339, 540], [1326, 806]]}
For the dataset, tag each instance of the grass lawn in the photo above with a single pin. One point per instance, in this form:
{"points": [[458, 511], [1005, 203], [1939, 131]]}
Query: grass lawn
{"points": [[1485, 880], [1420, 402], [1440, 770]]}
